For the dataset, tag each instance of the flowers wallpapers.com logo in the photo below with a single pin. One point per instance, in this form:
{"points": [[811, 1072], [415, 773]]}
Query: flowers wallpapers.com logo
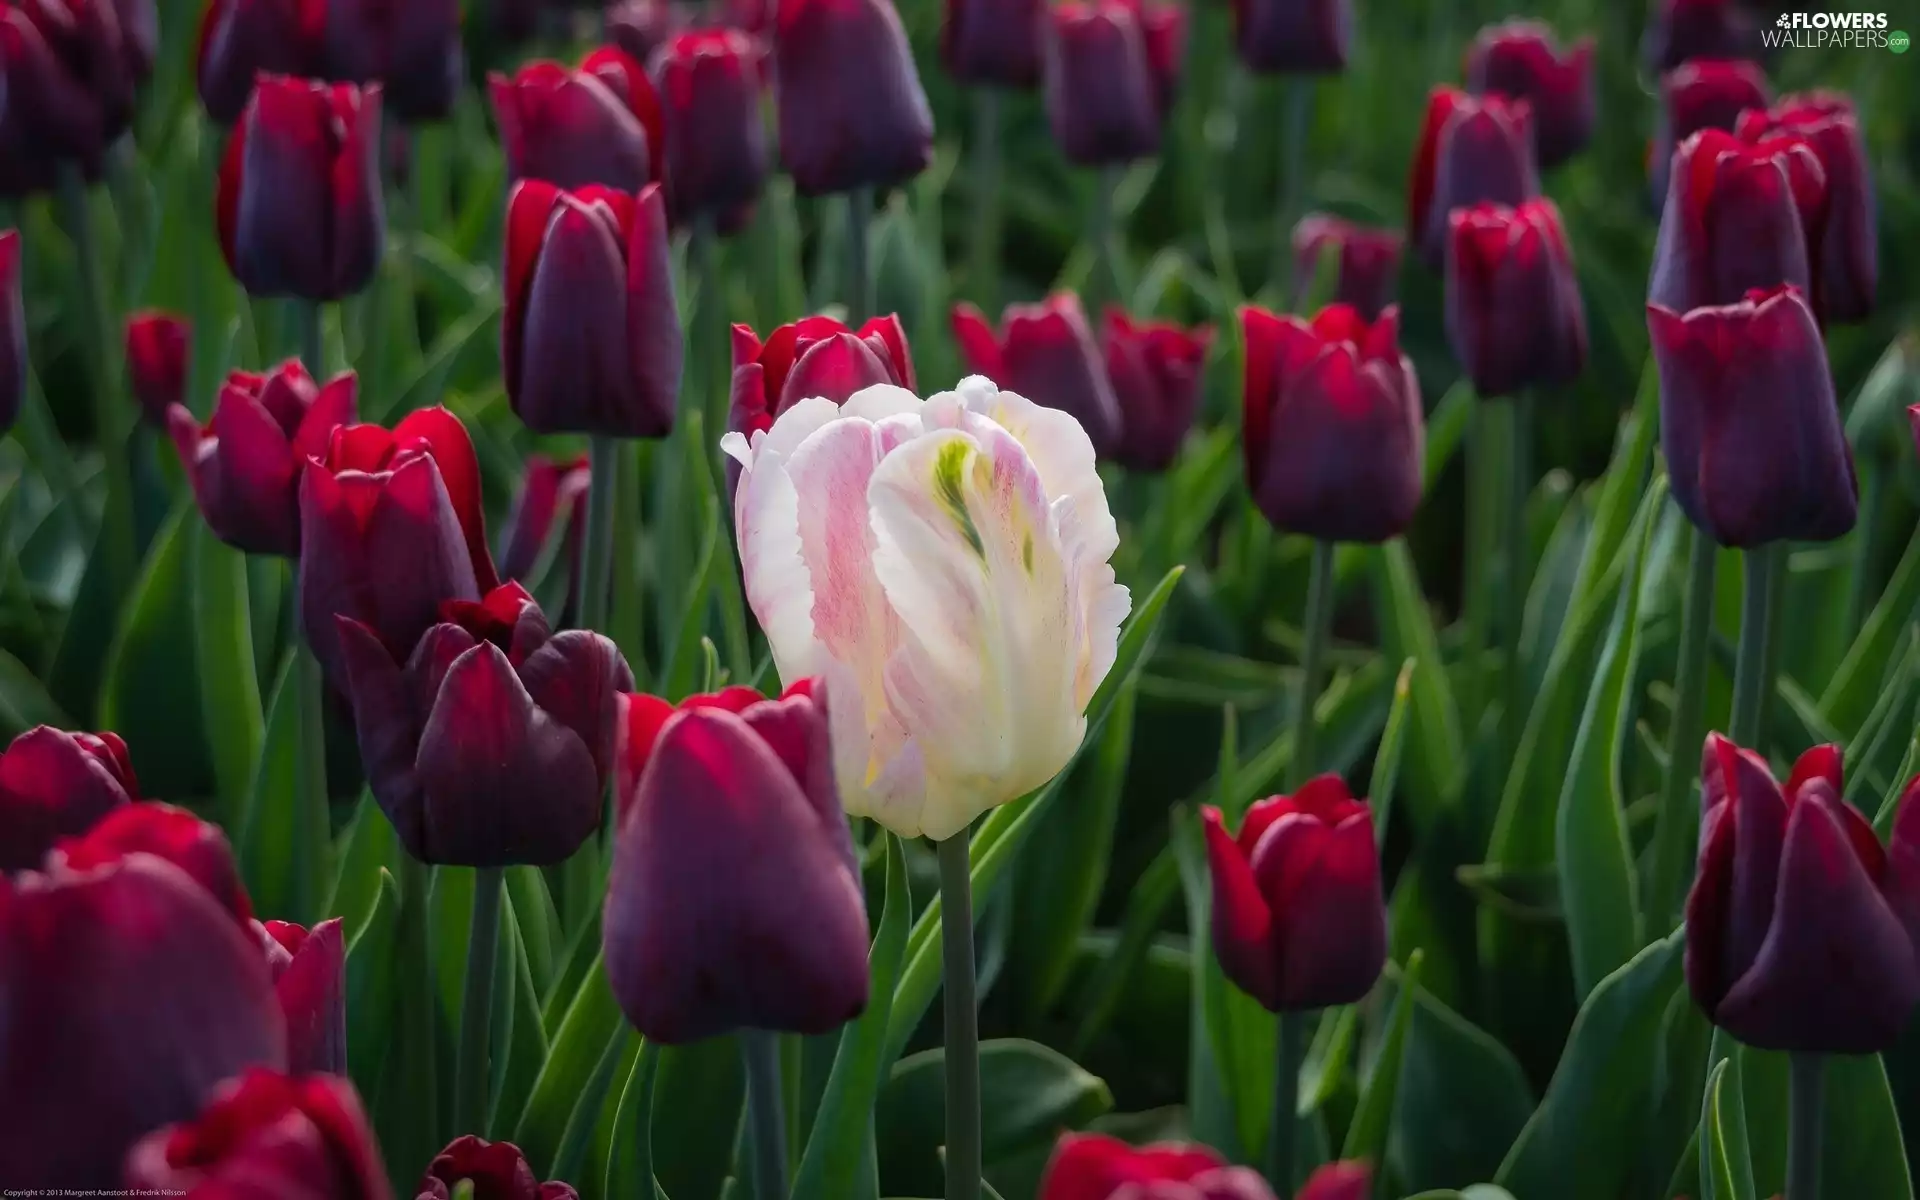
{"points": [[1824, 30]]}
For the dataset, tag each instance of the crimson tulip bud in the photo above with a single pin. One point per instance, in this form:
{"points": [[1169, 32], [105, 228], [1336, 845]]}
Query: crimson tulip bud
{"points": [[158, 344], [994, 43], [852, 112], [245, 464], [197, 847], [1522, 59], [242, 39], [488, 742], [1095, 1166], [1682, 30], [710, 82], [1298, 917], [128, 995], [1332, 431], [554, 493], [412, 50], [55, 784], [640, 27], [1046, 353], [298, 200], [1369, 267], [1748, 421], [734, 899], [815, 356], [1101, 92], [1513, 305], [595, 124], [1472, 150], [309, 968], [267, 1134], [1706, 94], [13, 331], [497, 1171], [1293, 36], [1737, 217], [1846, 258], [1155, 369]]}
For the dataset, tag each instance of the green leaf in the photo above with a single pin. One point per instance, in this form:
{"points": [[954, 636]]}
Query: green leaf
{"points": [[1861, 1151], [223, 645], [370, 850], [23, 702], [1433, 735], [592, 1022], [539, 923], [630, 1168], [1372, 1120], [373, 982], [1850, 694], [1386, 760], [520, 1040], [429, 381], [1726, 1172], [283, 848], [699, 1100]]}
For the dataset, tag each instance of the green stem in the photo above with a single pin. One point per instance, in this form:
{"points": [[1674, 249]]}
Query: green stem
{"points": [[1806, 1111], [1752, 674], [1674, 820], [983, 268], [310, 689], [1314, 634], [1286, 1101], [313, 340], [596, 582], [1488, 460], [418, 1044], [963, 1031], [1513, 596], [1102, 227], [709, 351], [100, 359], [859, 271], [1295, 128], [761, 1050], [470, 1074]]}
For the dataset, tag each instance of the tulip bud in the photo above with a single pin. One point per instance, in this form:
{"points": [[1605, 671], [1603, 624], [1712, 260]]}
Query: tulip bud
{"points": [[716, 154], [1351, 1180], [1846, 258], [1298, 917], [640, 27], [13, 331], [1101, 92], [242, 39], [298, 200], [1155, 369], [245, 464], [852, 112], [815, 356], [1472, 150], [267, 1134], [725, 789], [1369, 262], [1683, 30], [128, 995], [1701, 95], [1094, 1166], [1163, 27], [994, 43], [158, 344], [598, 124], [497, 1171], [553, 493], [70, 70], [1523, 60], [198, 848], [1748, 422], [1514, 315], [309, 968], [1046, 353], [963, 542], [412, 50], [1332, 431], [55, 784], [1293, 36]]}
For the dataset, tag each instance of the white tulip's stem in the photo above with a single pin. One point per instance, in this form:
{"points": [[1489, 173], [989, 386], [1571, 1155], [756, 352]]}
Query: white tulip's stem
{"points": [[1315, 632], [471, 1078], [761, 1052], [1806, 1112], [1672, 847], [963, 1030]]}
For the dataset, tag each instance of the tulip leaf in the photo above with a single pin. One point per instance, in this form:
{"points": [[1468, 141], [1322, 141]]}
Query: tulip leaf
{"points": [[370, 848], [1385, 776], [698, 1119], [223, 646], [283, 846], [24, 703], [591, 1024], [1434, 734], [1861, 1153], [1851, 692], [519, 1038], [630, 1167], [429, 380], [1373, 1119], [1726, 1171], [373, 983], [573, 1158], [539, 922]]}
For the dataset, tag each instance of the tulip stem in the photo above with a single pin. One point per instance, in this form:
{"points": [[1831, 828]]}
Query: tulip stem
{"points": [[1674, 818], [859, 271], [983, 271], [1286, 1101], [1806, 1112], [1295, 126], [1753, 669], [116, 541], [1513, 556], [310, 693], [963, 1031], [603, 483], [470, 1075], [313, 340], [1314, 633], [761, 1052], [1102, 228]]}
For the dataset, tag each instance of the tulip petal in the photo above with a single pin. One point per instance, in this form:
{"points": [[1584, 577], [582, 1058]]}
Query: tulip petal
{"points": [[1322, 884], [50, 788], [1242, 921], [312, 993], [574, 679], [778, 586], [387, 726]]}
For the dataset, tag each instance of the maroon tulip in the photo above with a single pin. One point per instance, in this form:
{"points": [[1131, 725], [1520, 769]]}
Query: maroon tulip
{"points": [[158, 344], [1155, 369], [595, 124], [1332, 431], [1351, 1180], [1682, 30], [411, 49], [198, 848], [994, 43], [309, 969], [1094, 1166], [710, 82], [1523, 60], [1164, 29], [55, 784], [1513, 305], [1737, 217], [640, 27], [241, 39], [554, 493], [128, 995], [1293, 36], [734, 900], [1298, 918], [814, 356], [1706, 94], [70, 67], [488, 744], [1101, 92], [1472, 150], [1748, 421], [1847, 256], [1369, 265], [298, 201], [13, 331], [267, 1134], [1046, 353], [841, 128], [497, 1171]]}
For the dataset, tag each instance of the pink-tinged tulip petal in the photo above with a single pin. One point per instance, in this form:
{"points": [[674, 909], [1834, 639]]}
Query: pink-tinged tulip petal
{"points": [[1369, 262], [312, 988], [301, 1137], [1093, 1166], [197, 847], [841, 129], [993, 43], [1522, 59], [55, 784]]}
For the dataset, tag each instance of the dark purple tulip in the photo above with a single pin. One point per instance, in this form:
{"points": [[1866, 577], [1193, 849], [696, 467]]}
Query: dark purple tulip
{"points": [[1472, 150], [1682, 30], [1369, 262], [1293, 36], [488, 744], [1045, 352], [70, 68], [1155, 369], [411, 49], [13, 331], [197, 847], [1523, 59], [158, 344], [734, 900], [578, 126], [815, 356], [309, 969], [641, 27], [245, 464], [1737, 217], [1331, 425], [1164, 29], [55, 784], [1748, 421], [553, 494], [128, 995], [1846, 260], [240, 39], [267, 1134], [140, 34], [1513, 305], [497, 1171], [993, 43], [590, 339], [852, 112], [1101, 93], [1299, 921], [298, 202], [1705, 94], [710, 83]]}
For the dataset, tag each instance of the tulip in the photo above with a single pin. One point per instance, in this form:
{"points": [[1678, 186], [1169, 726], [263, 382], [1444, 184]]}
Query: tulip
{"points": [[158, 344], [1163, 27], [1706, 94], [1155, 369], [1298, 918], [1748, 421], [1472, 150], [710, 82], [298, 199], [1513, 305], [1352, 1180], [1847, 254], [267, 1134], [944, 565], [1522, 60], [70, 66], [734, 900], [140, 33], [13, 331], [1293, 36], [1332, 431], [128, 995], [993, 43], [241, 39], [497, 1171], [553, 493], [1046, 353], [1369, 262], [640, 27], [411, 49], [196, 847], [596, 124], [1101, 93], [815, 356], [1683, 30], [590, 339], [1094, 1166], [55, 784], [1737, 217], [852, 112], [309, 969]]}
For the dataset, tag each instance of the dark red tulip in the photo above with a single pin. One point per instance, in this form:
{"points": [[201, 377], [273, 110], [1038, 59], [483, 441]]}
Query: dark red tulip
{"points": [[1705, 94], [841, 128], [1101, 93], [815, 356], [595, 124], [1351, 1180], [1155, 369], [128, 995], [298, 201], [1332, 431], [13, 331], [1800, 926], [1514, 315], [245, 464], [1369, 267], [1094, 1166], [267, 1134], [391, 527], [158, 344], [1298, 918], [993, 43], [55, 784], [553, 494], [1681, 30], [1164, 29], [1046, 353], [640, 27], [240, 39], [489, 743], [70, 67], [1737, 217], [734, 900], [1472, 150], [197, 847], [710, 82], [1293, 36], [309, 969], [1846, 259], [1523, 59], [497, 1171], [411, 49]]}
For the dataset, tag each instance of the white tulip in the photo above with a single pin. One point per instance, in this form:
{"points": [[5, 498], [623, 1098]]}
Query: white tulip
{"points": [[945, 561]]}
